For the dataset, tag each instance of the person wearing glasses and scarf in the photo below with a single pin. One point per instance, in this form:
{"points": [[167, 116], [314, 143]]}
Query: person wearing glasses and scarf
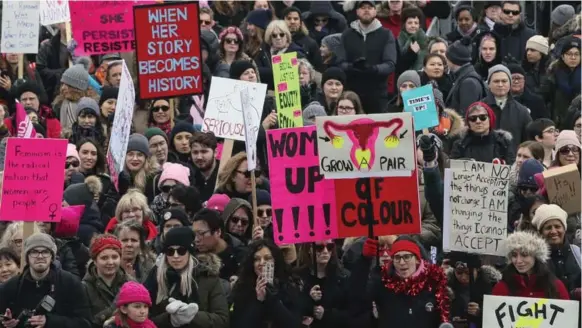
{"points": [[238, 221], [186, 291]]}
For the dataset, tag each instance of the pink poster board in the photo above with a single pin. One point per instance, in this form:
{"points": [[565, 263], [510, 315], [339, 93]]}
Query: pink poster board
{"points": [[303, 201], [34, 175], [70, 222]]}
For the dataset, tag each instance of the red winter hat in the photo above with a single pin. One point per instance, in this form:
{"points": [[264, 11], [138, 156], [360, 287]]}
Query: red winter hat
{"points": [[404, 245], [102, 243], [133, 292], [490, 113]]}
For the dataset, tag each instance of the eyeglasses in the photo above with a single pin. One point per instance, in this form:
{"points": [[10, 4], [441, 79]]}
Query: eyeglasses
{"points": [[482, 118], [73, 164], [247, 174], [167, 188], [237, 219], [36, 253], [511, 12], [204, 22], [567, 149], [405, 257], [551, 131], [180, 250], [345, 109], [160, 108], [265, 212], [517, 78], [319, 247], [572, 54], [231, 41], [280, 35]]}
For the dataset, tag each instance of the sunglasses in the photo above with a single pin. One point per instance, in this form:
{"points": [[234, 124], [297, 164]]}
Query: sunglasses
{"points": [[231, 41], [180, 250], [511, 12], [162, 108], [280, 35], [73, 164], [319, 247], [532, 190], [247, 174], [566, 150], [236, 220], [481, 118], [204, 22], [265, 212], [166, 188], [321, 20]]}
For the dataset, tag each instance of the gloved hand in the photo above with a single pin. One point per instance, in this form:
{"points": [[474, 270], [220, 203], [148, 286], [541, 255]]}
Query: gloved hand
{"points": [[370, 249], [71, 46], [428, 147], [174, 305], [182, 313]]}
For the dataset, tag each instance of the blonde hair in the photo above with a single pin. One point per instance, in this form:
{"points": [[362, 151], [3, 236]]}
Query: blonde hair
{"points": [[274, 26], [229, 171], [303, 62], [186, 277], [132, 198], [150, 167], [12, 229]]}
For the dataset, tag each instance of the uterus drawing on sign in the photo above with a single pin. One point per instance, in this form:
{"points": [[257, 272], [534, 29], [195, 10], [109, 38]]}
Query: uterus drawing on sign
{"points": [[363, 134]]}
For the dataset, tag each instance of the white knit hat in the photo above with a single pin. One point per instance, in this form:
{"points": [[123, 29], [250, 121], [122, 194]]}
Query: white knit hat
{"points": [[528, 243], [539, 43], [546, 212]]}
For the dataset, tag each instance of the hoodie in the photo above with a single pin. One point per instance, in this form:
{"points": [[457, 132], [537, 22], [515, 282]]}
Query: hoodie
{"points": [[231, 208]]}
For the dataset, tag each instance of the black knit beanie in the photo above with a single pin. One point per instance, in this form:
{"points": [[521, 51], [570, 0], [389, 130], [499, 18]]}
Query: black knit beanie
{"points": [[334, 73], [108, 93], [238, 67]]}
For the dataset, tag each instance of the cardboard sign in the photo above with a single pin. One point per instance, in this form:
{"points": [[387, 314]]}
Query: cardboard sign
{"points": [[224, 109], [355, 146], [252, 122], [287, 90], [529, 312], [168, 50], [563, 185], [54, 12], [475, 208], [103, 27], [392, 204], [303, 201], [420, 102], [121, 127], [34, 176], [20, 27]]}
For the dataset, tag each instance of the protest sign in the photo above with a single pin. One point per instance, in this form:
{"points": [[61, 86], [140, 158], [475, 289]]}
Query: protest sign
{"points": [[121, 127], [70, 222], [34, 175], [392, 204], [25, 128], [287, 90], [563, 185], [54, 12], [102, 27], [475, 207], [20, 27], [168, 50], [529, 312], [223, 114], [355, 146], [303, 201], [420, 102], [252, 123]]}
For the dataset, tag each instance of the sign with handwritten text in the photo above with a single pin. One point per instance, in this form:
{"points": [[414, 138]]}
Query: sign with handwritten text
{"points": [[475, 207], [420, 102], [287, 90], [529, 312], [20, 27], [54, 12], [252, 123], [34, 176], [563, 185]]}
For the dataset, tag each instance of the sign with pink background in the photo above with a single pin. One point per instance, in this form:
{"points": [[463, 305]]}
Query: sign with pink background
{"points": [[303, 201], [34, 174]]}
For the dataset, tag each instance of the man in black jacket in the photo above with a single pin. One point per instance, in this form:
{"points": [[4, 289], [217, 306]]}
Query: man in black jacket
{"points": [[52, 61], [522, 94], [514, 34], [41, 278], [292, 16], [368, 56]]}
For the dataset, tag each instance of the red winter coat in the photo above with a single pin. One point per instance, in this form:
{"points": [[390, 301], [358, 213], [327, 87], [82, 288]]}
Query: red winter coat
{"points": [[47, 119], [149, 226], [528, 289]]}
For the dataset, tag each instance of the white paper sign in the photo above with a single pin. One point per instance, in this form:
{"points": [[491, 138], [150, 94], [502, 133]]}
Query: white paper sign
{"points": [[121, 125], [251, 122], [476, 204], [54, 12], [224, 111], [529, 312], [20, 27]]}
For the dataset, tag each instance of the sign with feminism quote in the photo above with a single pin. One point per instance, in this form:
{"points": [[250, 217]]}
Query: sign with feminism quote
{"points": [[303, 200], [34, 175], [168, 50], [529, 312], [20, 27], [475, 207], [54, 12], [287, 90]]}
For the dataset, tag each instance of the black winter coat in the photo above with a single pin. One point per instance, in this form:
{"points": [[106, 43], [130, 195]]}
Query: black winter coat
{"points": [[310, 49], [48, 64], [336, 23], [564, 265], [67, 258], [263, 61], [514, 118], [513, 41], [497, 144], [467, 89], [533, 102]]}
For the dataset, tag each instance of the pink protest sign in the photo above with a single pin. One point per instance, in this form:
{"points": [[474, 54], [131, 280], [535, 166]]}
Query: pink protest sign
{"points": [[219, 148], [102, 27], [25, 128], [34, 175], [303, 201], [70, 222]]}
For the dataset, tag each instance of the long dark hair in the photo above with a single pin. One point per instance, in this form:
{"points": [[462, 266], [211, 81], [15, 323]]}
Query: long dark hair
{"points": [[100, 163], [544, 279], [306, 262]]}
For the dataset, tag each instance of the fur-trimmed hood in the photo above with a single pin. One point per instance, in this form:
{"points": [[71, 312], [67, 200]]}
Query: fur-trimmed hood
{"points": [[457, 122], [94, 185], [529, 243], [573, 26], [208, 265]]}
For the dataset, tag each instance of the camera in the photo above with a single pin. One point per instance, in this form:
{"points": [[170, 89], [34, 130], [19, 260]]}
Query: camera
{"points": [[45, 306]]}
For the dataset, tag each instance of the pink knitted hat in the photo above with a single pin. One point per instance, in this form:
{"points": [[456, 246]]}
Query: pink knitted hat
{"points": [[133, 292], [72, 151], [177, 172]]}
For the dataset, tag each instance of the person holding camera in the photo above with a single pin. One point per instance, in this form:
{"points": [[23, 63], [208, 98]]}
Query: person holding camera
{"points": [[43, 296]]}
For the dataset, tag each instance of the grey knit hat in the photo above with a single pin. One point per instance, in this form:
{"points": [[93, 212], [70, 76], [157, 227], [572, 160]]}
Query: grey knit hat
{"points": [[77, 77], [88, 104], [313, 110], [499, 68], [408, 76], [138, 142], [40, 239], [332, 42], [562, 14]]}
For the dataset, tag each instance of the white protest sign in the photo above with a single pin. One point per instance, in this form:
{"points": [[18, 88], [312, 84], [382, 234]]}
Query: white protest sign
{"points": [[20, 27], [54, 12], [475, 207], [251, 122], [529, 312], [224, 111], [121, 125]]}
